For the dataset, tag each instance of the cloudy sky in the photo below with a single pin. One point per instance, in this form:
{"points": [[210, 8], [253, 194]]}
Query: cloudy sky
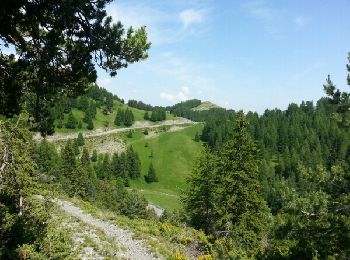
{"points": [[249, 55]]}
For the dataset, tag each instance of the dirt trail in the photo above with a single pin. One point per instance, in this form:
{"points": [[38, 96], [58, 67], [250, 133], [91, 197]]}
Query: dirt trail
{"points": [[135, 249], [101, 132]]}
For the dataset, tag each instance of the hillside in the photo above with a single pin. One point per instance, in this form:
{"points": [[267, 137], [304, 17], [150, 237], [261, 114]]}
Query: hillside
{"points": [[103, 120], [170, 147], [172, 154], [207, 105]]}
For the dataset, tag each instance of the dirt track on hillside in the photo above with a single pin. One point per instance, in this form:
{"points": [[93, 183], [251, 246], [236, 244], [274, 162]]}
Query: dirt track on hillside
{"points": [[101, 132]]}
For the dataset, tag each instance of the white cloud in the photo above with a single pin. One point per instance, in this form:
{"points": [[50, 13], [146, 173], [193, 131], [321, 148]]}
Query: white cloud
{"points": [[182, 95], [167, 96], [162, 26], [301, 21], [190, 17]]}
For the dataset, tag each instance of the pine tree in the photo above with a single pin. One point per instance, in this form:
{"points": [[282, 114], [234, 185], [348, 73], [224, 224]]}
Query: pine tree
{"points": [[90, 124], [85, 157], [80, 140], [241, 209], [129, 118], [94, 156], [76, 147], [151, 175], [129, 135], [124, 169], [146, 116], [134, 163], [106, 168], [196, 137], [71, 121], [60, 123], [68, 162], [119, 117], [199, 198]]}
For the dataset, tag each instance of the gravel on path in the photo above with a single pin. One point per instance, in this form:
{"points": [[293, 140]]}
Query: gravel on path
{"points": [[135, 249]]}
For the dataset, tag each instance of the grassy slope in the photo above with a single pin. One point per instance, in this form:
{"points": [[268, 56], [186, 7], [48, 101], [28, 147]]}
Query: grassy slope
{"points": [[173, 156], [205, 106], [99, 121]]}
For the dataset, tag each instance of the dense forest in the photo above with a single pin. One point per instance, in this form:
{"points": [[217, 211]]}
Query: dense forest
{"points": [[282, 171]]}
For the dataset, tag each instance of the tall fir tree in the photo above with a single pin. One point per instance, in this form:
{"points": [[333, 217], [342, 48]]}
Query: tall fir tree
{"points": [[146, 116], [119, 117], [241, 209], [80, 139], [71, 121], [129, 118], [69, 163], [198, 200], [134, 163], [151, 175]]}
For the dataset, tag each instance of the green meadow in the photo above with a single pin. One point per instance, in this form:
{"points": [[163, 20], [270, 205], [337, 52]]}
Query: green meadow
{"points": [[172, 155]]}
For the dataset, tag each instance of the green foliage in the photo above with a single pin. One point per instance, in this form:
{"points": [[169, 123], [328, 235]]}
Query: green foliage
{"points": [[129, 118], [120, 117], [314, 220], [139, 105], [94, 156], [196, 138], [133, 160], [146, 116], [80, 140], [158, 114], [34, 74], [90, 124], [225, 198], [151, 175], [199, 197], [22, 218], [129, 134], [71, 121]]}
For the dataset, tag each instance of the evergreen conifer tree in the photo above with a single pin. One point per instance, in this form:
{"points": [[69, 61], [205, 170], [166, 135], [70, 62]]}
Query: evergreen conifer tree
{"points": [[134, 163], [80, 139], [94, 156], [241, 209], [151, 175], [71, 121], [90, 124], [119, 117], [129, 118], [146, 116], [199, 198], [68, 162], [129, 135]]}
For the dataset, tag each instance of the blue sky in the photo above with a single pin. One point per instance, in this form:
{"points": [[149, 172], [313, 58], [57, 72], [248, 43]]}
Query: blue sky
{"points": [[249, 55]]}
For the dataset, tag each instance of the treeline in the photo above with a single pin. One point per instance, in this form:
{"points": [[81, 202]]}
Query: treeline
{"points": [[139, 105], [184, 109], [158, 114], [303, 133], [124, 117], [302, 155]]}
